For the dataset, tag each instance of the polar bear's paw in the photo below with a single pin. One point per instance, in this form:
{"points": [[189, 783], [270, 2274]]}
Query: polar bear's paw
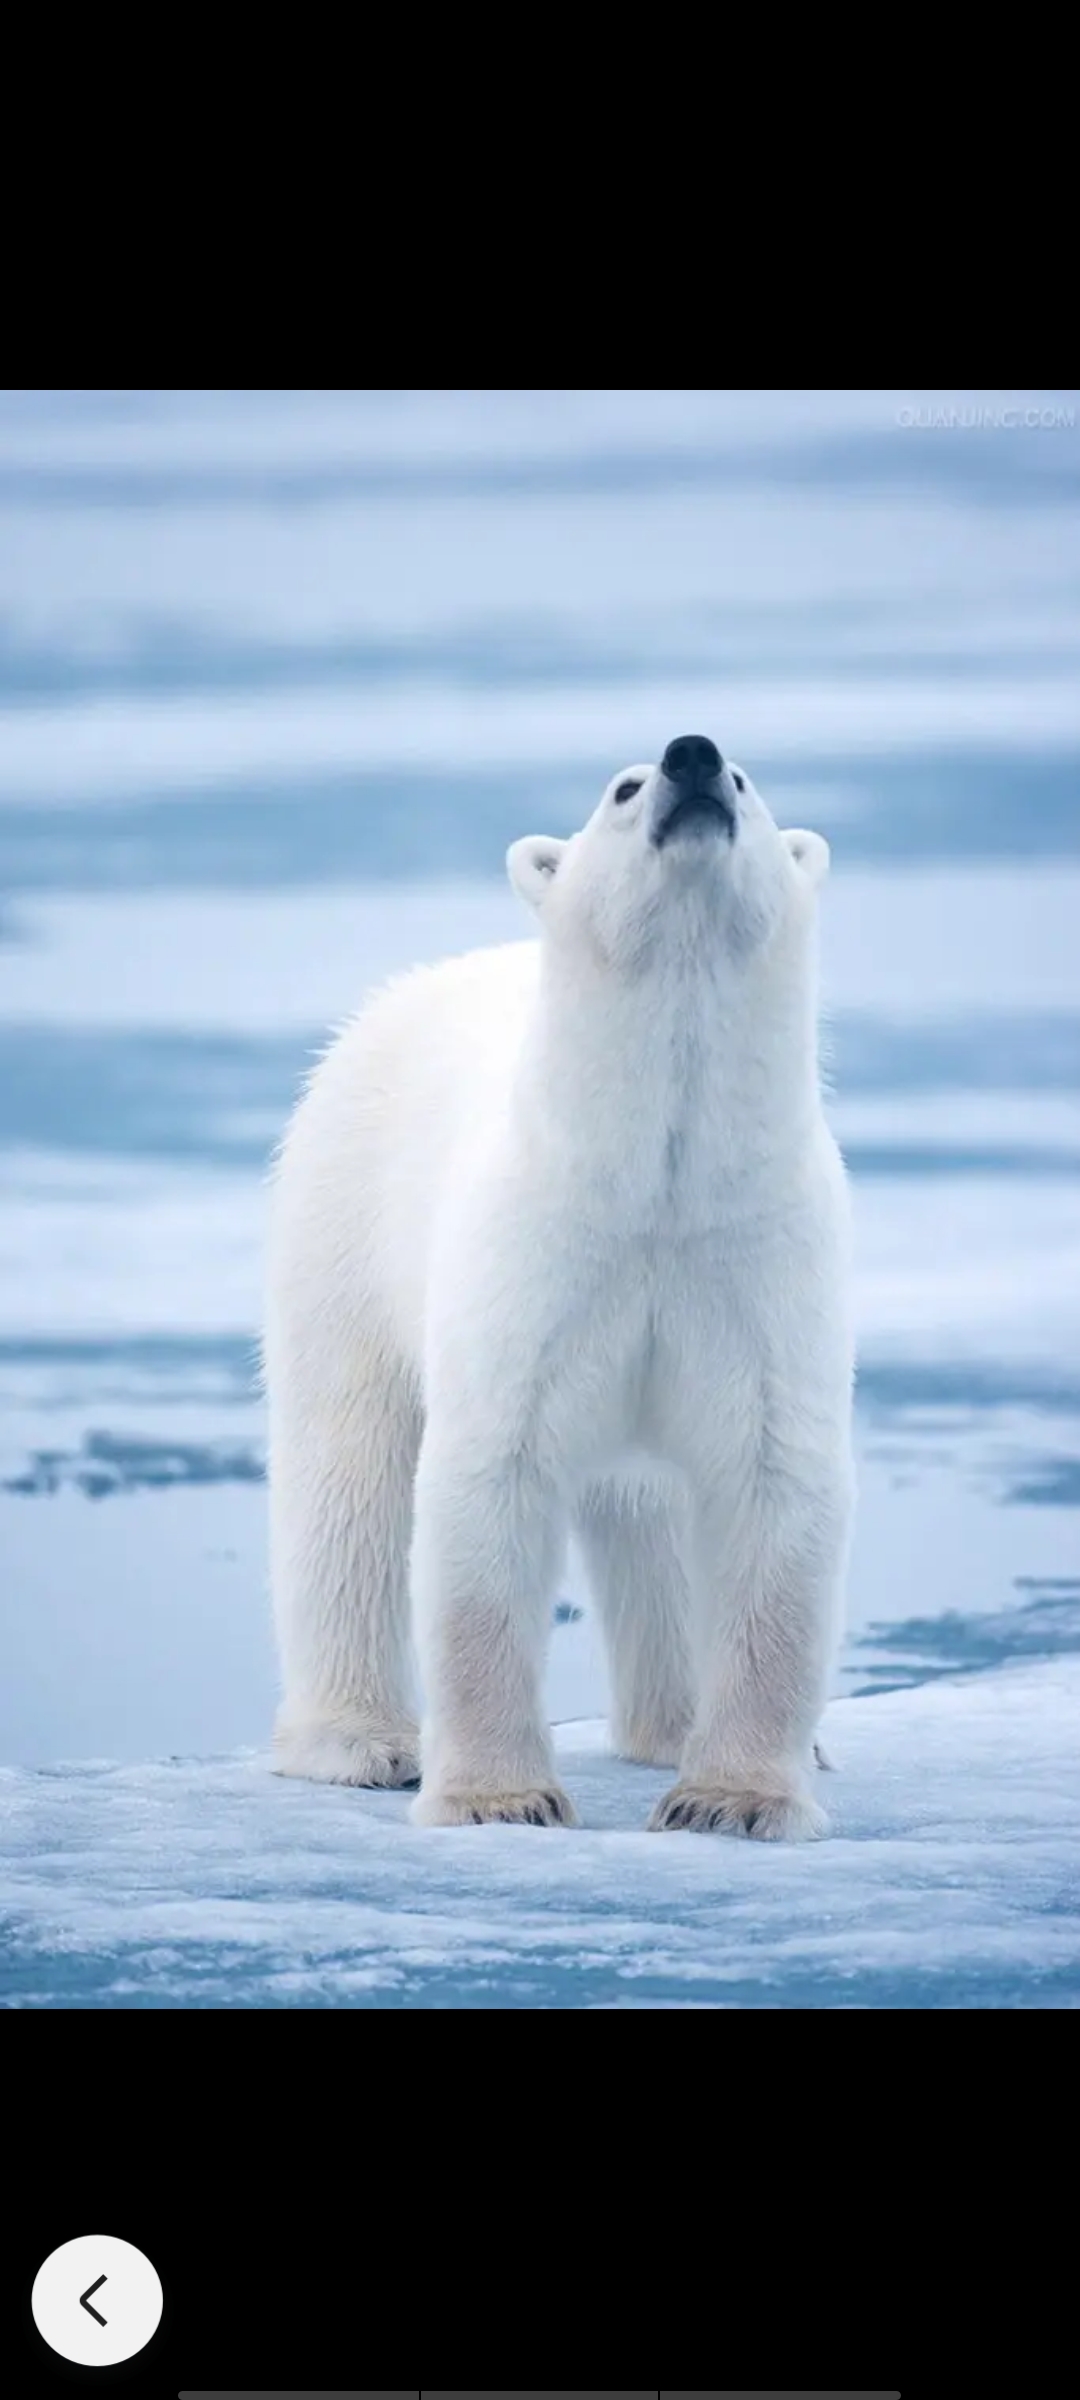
{"points": [[542, 1804], [765, 1816], [343, 1750]]}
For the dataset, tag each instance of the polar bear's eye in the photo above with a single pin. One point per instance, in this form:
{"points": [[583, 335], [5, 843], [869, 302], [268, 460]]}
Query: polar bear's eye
{"points": [[625, 791], [739, 781]]}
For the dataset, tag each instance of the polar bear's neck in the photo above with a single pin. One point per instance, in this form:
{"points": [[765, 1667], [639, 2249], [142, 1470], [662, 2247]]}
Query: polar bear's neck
{"points": [[678, 1092]]}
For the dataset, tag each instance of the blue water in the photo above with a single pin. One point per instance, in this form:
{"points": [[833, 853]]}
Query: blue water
{"points": [[281, 675]]}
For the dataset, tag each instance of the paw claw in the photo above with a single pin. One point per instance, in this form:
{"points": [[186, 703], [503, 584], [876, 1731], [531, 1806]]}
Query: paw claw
{"points": [[761, 1816], [546, 1805]]}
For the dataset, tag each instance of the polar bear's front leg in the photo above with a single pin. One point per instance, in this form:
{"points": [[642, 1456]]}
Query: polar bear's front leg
{"points": [[487, 1545], [769, 1571]]}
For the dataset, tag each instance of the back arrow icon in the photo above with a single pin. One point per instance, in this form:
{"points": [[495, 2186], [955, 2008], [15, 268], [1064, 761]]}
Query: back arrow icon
{"points": [[84, 2299]]}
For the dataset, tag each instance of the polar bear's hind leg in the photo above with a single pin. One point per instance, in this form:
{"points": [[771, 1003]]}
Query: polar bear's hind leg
{"points": [[630, 1540], [342, 1462]]}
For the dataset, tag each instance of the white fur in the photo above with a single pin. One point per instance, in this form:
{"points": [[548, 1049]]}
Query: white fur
{"points": [[560, 1244]]}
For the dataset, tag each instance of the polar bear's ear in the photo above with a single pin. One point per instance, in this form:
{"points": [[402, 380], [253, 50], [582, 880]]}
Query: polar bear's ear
{"points": [[810, 851], [532, 865]]}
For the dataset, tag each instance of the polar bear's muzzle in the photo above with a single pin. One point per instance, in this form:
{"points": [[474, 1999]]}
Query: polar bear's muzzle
{"points": [[694, 793]]}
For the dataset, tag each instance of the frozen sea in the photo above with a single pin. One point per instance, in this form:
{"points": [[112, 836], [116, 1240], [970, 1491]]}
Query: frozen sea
{"points": [[280, 677]]}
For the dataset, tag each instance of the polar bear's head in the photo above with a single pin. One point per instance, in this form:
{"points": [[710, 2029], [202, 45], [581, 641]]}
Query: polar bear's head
{"points": [[675, 854]]}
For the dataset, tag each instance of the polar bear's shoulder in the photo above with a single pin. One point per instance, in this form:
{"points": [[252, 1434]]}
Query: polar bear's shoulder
{"points": [[502, 976], [443, 1014]]}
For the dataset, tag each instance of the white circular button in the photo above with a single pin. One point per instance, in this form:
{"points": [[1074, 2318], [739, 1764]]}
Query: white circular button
{"points": [[97, 2300]]}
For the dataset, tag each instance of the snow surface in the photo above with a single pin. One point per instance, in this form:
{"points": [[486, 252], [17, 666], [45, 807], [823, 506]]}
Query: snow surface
{"points": [[950, 1880]]}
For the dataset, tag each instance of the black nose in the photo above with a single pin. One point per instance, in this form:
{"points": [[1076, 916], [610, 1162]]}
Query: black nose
{"points": [[692, 759]]}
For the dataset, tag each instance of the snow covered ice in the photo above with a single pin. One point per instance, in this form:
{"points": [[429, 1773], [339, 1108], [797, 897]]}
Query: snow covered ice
{"points": [[950, 1881]]}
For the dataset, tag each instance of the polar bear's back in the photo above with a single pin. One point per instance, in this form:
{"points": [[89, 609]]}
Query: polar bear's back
{"points": [[408, 1081]]}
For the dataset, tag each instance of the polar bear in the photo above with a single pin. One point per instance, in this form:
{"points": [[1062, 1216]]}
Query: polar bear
{"points": [[560, 1245]]}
